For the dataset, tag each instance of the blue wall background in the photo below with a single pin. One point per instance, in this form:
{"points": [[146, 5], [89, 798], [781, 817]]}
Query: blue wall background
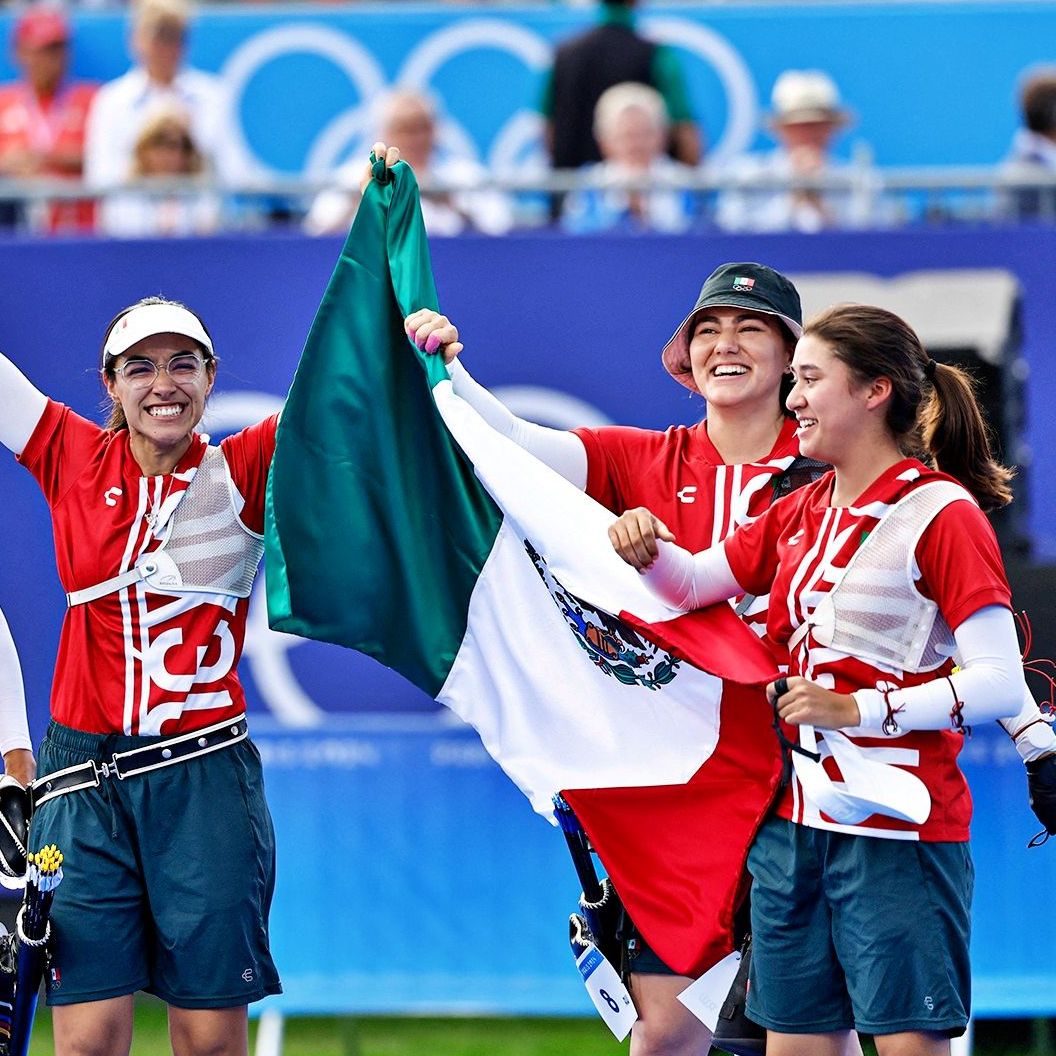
{"points": [[412, 874], [584, 317], [930, 83]]}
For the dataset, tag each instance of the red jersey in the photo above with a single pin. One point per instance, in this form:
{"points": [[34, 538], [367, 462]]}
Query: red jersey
{"points": [[680, 477], [650, 838], [28, 123], [139, 661], [798, 551]]}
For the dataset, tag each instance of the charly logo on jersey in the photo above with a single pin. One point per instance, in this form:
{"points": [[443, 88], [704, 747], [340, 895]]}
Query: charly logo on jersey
{"points": [[613, 645]]}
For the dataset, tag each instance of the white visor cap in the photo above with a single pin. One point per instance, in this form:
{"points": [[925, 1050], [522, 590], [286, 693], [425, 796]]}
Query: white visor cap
{"points": [[146, 320]]}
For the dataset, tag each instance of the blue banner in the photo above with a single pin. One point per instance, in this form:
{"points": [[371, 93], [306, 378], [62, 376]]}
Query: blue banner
{"points": [[568, 331], [413, 877], [929, 83]]}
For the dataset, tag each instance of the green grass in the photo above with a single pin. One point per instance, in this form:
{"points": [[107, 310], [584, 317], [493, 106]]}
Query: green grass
{"points": [[410, 1036], [386, 1036]]}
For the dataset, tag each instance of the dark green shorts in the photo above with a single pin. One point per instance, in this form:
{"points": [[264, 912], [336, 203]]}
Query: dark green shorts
{"points": [[641, 957], [858, 932], [167, 877]]}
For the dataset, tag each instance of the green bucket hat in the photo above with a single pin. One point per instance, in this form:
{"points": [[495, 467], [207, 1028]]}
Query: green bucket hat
{"points": [[744, 285]]}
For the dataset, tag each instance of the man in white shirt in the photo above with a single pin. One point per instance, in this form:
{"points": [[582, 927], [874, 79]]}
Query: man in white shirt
{"points": [[806, 118], [158, 81]]}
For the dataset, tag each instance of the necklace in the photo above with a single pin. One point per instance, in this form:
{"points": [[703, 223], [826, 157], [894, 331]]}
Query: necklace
{"points": [[156, 507]]}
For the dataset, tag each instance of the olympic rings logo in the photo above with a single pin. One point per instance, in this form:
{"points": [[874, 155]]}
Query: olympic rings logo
{"points": [[518, 141]]}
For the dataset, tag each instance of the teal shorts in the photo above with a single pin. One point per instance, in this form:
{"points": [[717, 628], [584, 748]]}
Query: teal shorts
{"points": [[641, 957], [856, 932], [167, 877]]}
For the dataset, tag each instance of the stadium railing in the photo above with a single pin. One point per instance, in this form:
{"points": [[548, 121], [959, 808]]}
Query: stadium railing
{"points": [[913, 196]]}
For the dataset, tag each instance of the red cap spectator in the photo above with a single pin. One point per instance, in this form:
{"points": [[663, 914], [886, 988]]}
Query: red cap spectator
{"points": [[41, 26]]}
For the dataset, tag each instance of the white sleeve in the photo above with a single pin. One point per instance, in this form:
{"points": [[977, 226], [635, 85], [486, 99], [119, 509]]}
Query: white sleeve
{"points": [[562, 451], [691, 581], [1030, 730], [21, 406], [988, 684], [14, 729]]}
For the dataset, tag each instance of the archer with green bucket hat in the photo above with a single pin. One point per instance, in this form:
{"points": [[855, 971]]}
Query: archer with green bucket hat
{"points": [[733, 349]]}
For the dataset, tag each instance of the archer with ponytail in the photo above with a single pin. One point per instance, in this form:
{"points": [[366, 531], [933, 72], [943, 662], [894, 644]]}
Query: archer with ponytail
{"points": [[887, 585]]}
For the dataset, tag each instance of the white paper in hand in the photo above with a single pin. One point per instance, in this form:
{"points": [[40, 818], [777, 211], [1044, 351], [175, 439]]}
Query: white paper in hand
{"points": [[705, 997]]}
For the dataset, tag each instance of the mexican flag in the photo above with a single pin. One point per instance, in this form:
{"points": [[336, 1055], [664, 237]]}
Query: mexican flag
{"points": [[400, 524]]}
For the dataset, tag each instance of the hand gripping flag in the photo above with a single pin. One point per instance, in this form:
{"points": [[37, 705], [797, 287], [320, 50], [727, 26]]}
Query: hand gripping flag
{"points": [[400, 524]]}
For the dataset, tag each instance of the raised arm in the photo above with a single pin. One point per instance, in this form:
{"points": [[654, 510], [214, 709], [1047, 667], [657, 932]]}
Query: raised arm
{"points": [[21, 406], [15, 745], [562, 451]]}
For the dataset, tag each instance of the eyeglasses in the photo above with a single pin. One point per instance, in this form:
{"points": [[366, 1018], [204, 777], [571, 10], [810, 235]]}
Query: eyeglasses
{"points": [[140, 373]]}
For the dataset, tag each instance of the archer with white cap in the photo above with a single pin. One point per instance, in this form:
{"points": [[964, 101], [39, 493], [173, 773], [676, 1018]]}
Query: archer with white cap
{"points": [[147, 767]]}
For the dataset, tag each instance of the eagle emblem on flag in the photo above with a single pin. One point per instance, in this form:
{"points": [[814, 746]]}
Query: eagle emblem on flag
{"points": [[611, 643]]}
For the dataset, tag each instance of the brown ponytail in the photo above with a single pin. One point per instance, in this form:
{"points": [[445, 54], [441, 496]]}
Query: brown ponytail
{"points": [[956, 435]]}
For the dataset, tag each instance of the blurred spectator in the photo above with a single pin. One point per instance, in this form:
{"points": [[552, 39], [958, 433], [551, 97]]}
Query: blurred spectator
{"points": [[408, 120], [631, 124], [1033, 153], [42, 118], [160, 80], [164, 151], [806, 118], [585, 66]]}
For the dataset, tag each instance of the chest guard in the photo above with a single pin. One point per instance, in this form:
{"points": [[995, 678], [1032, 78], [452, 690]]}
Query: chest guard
{"points": [[207, 549], [875, 611]]}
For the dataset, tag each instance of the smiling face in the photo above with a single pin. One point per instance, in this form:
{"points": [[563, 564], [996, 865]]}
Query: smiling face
{"points": [[829, 402], [162, 413], [738, 357]]}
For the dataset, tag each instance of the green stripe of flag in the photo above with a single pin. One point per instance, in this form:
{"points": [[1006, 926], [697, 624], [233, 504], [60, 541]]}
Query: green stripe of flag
{"points": [[376, 527]]}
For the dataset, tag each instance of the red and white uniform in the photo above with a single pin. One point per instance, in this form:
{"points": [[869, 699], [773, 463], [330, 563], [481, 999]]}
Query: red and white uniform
{"points": [[798, 551], [43, 126], [138, 661], [680, 477], [654, 841]]}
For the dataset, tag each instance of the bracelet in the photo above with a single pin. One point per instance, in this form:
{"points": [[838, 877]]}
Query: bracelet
{"points": [[1033, 722], [957, 711], [890, 724]]}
